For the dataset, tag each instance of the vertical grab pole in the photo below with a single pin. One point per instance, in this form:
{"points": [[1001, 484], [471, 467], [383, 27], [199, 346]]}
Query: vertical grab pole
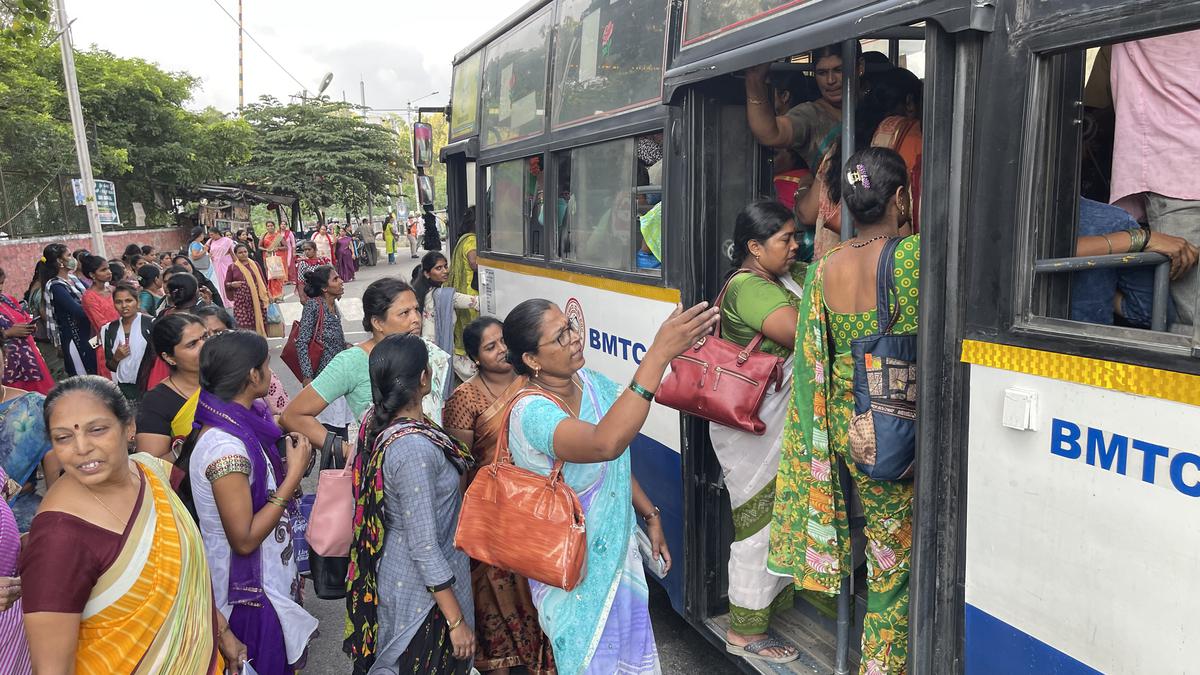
{"points": [[845, 604], [849, 101], [1162, 290]]}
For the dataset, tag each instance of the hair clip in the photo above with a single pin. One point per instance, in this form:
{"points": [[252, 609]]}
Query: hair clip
{"points": [[864, 177], [42, 259]]}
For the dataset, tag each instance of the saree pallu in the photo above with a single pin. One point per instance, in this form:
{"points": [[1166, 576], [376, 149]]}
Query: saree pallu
{"points": [[221, 254], [507, 633], [274, 286], [14, 651], [347, 264], [603, 625], [152, 611], [249, 301], [462, 279]]}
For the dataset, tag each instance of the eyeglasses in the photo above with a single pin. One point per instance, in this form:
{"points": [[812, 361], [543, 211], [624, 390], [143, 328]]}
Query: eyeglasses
{"points": [[564, 336]]}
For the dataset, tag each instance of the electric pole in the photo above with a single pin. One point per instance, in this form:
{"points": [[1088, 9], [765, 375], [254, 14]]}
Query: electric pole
{"points": [[81, 143], [241, 62]]}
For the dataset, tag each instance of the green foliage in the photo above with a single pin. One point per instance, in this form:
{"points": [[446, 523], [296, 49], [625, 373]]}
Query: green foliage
{"points": [[441, 135], [23, 19], [321, 150]]}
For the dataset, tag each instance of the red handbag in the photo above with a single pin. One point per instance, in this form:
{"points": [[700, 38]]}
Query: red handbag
{"points": [[720, 381], [316, 348]]}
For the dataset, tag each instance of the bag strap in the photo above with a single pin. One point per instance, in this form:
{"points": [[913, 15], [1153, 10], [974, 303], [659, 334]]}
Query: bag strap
{"points": [[885, 287], [758, 337], [502, 451]]}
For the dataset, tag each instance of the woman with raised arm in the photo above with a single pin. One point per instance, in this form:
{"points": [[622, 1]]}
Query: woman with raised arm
{"points": [[113, 574], [245, 489], [409, 602], [506, 624], [588, 421], [839, 306]]}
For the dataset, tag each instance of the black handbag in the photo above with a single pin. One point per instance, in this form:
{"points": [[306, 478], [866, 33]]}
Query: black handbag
{"points": [[883, 431], [328, 573]]}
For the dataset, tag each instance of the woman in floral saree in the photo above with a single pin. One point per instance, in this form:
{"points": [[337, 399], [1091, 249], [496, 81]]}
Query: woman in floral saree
{"points": [[587, 421], [810, 537], [113, 573]]}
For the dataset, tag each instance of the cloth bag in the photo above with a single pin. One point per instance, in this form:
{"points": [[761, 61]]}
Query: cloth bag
{"points": [[519, 520], [291, 357], [275, 267], [720, 381], [883, 430]]}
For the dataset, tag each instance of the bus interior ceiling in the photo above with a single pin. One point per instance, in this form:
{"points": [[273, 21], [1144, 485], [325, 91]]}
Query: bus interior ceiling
{"points": [[740, 171]]}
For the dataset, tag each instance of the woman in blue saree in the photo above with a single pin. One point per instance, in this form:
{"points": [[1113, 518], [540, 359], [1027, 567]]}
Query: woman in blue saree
{"points": [[588, 421]]}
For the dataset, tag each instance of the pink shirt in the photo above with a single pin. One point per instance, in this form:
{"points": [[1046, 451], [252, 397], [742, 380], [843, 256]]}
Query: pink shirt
{"points": [[1156, 91]]}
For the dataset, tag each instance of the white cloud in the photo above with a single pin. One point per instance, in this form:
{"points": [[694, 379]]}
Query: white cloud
{"points": [[402, 50]]}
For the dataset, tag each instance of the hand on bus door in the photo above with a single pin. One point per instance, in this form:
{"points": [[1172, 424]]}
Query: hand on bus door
{"points": [[1183, 255], [683, 328]]}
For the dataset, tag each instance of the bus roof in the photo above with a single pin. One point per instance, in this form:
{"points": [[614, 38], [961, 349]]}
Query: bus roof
{"points": [[515, 18]]}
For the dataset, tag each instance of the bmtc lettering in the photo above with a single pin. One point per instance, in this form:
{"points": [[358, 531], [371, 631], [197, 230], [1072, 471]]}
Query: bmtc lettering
{"points": [[1111, 451], [615, 345]]}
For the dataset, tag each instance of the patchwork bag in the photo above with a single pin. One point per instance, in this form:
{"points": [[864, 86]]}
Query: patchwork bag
{"points": [[883, 431]]}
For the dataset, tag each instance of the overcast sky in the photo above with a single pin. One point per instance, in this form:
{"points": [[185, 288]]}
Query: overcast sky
{"points": [[401, 48]]}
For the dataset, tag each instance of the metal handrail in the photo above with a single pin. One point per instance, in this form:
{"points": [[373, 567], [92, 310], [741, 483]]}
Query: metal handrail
{"points": [[1162, 275]]}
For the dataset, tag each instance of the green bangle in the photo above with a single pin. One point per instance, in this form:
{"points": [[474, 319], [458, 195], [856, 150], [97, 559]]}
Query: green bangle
{"points": [[641, 391]]}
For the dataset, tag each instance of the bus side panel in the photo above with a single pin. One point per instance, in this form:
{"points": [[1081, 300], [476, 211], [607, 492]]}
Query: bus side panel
{"points": [[618, 327], [1082, 538]]}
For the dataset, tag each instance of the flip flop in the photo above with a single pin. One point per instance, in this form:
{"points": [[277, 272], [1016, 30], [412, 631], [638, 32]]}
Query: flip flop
{"points": [[754, 650]]}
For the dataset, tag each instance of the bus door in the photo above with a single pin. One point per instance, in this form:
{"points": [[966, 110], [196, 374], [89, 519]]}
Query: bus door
{"points": [[1082, 460], [460, 184]]}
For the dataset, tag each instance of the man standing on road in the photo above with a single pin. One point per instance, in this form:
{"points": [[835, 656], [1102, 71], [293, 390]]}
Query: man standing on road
{"points": [[367, 232]]}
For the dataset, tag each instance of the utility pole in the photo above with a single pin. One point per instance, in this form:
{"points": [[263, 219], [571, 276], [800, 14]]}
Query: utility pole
{"points": [[241, 62], [81, 144], [362, 98]]}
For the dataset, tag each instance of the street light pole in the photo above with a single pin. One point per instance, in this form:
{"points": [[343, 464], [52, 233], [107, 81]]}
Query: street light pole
{"points": [[81, 145]]}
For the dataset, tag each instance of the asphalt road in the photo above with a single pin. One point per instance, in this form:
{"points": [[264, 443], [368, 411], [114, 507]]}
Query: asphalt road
{"points": [[681, 648]]}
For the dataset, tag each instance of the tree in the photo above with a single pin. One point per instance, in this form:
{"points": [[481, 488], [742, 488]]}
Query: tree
{"points": [[323, 151], [437, 172], [23, 19]]}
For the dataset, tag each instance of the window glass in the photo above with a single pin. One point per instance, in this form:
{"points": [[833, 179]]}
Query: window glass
{"points": [[610, 204], [608, 57], [514, 195], [1110, 163], [464, 110], [514, 82], [704, 19]]}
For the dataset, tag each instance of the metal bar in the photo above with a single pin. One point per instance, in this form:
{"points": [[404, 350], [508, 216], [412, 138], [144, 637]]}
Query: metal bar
{"points": [[1162, 290], [1097, 262], [845, 602], [849, 98]]}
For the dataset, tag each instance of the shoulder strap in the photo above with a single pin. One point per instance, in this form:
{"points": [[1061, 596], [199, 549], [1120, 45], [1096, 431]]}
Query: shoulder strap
{"points": [[502, 454], [885, 287]]}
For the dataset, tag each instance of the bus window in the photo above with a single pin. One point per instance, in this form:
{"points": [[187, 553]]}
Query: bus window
{"points": [[514, 198], [609, 212], [514, 82], [1121, 133], [608, 59], [464, 114], [705, 19]]}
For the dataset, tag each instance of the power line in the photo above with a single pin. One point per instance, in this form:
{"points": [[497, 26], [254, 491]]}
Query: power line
{"points": [[259, 44]]}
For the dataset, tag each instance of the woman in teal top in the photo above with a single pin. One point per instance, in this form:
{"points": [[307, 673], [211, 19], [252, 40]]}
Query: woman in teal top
{"points": [[761, 297], [389, 307], [810, 537], [587, 421]]}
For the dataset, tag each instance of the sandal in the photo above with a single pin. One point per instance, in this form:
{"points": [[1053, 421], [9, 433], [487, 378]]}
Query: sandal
{"points": [[754, 650]]}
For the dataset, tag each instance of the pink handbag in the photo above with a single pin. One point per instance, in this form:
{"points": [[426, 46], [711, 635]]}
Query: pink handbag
{"points": [[331, 525]]}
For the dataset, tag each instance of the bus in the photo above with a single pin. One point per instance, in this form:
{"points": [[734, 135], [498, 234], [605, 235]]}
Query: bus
{"points": [[1057, 465]]}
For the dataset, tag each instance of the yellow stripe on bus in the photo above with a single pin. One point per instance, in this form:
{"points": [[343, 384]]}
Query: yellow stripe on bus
{"points": [[1131, 379], [614, 285]]}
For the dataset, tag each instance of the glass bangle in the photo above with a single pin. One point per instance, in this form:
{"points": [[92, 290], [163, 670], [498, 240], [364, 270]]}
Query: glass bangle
{"points": [[641, 391]]}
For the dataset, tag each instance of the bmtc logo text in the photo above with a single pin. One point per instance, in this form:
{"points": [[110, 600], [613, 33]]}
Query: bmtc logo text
{"points": [[612, 344]]}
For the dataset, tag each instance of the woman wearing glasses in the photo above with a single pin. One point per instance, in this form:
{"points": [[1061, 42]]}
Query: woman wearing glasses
{"points": [[587, 421]]}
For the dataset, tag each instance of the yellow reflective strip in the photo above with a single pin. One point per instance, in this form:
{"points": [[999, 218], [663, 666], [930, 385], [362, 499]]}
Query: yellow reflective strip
{"points": [[614, 285], [1131, 379]]}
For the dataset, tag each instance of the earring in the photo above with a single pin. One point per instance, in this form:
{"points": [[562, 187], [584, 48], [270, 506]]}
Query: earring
{"points": [[537, 372]]}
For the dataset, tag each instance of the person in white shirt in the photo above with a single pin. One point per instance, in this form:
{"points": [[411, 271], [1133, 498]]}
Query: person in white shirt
{"points": [[125, 341]]}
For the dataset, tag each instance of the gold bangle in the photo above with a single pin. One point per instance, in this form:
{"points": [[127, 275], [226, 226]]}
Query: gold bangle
{"points": [[456, 624], [652, 515], [1109, 242], [756, 101]]}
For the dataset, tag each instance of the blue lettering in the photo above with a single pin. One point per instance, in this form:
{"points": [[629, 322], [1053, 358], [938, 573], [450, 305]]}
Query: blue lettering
{"points": [[1064, 439], [1150, 455], [594, 338], [610, 343], [1177, 463], [625, 343], [637, 358], [1116, 449]]}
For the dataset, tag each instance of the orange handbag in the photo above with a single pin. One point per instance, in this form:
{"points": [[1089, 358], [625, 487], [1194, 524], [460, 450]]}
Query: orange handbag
{"points": [[521, 521]]}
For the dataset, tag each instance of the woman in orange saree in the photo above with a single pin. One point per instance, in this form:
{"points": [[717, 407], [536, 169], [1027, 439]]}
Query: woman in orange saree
{"points": [[272, 247], [124, 588]]}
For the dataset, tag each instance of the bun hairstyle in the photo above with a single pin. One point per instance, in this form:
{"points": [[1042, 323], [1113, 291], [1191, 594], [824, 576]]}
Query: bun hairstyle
{"points": [[91, 264], [869, 180], [182, 289], [117, 268], [473, 334], [198, 231], [148, 275], [316, 280], [395, 365], [101, 388], [226, 361], [523, 331], [378, 299], [758, 221]]}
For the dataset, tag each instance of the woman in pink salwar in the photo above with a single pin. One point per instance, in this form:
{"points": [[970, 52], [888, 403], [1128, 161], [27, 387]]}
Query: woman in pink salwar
{"points": [[221, 252]]}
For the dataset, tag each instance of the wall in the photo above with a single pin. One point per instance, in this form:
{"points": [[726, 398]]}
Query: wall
{"points": [[18, 256]]}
